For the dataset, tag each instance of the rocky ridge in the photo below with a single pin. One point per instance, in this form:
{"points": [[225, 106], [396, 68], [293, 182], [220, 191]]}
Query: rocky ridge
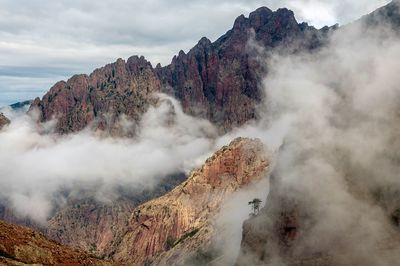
{"points": [[102, 98], [167, 229], [214, 80]]}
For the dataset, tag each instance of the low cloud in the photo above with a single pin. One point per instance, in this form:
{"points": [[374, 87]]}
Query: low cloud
{"points": [[36, 168], [339, 160], [330, 117]]}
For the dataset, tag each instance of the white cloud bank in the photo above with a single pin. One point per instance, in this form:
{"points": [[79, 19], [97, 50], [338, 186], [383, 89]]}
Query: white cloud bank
{"points": [[340, 157], [35, 167]]}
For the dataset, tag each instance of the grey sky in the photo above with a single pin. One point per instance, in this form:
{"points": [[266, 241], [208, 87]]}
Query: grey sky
{"points": [[43, 41]]}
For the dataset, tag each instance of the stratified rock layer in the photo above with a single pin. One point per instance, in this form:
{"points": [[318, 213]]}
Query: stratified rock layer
{"points": [[167, 229], [89, 225], [92, 226]]}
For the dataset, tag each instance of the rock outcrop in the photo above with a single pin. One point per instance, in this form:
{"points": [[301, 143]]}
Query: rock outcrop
{"points": [[23, 246], [3, 121], [218, 81], [92, 226], [102, 98], [167, 229], [89, 225]]}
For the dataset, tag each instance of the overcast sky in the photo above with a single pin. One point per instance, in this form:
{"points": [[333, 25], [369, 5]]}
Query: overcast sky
{"points": [[43, 41]]}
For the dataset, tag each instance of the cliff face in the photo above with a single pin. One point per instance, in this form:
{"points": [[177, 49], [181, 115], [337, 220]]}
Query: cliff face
{"points": [[92, 226], [270, 238], [165, 230], [218, 81], [21, 246], [101, 98], [290, 231], [89, 225]]}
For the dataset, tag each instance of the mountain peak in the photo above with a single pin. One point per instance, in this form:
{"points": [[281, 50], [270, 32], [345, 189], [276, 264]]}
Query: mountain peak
{"points": [[260, 16], [241, 22], [204, 41], [135, 62]]}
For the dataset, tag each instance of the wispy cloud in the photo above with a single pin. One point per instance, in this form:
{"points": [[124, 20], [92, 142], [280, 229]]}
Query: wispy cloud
{"points": [[35, 167]]}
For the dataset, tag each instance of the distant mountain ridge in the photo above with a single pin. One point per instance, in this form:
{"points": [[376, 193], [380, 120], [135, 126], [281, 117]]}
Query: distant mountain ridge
{"points": [[20, 105]]}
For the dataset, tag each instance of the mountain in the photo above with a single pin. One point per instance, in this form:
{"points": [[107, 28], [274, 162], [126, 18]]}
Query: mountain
{"points": [[86, 222], [168, 229], [91, 225], [20, 105], [102, 97], [218, 81], [170, 223], [23, 246]]}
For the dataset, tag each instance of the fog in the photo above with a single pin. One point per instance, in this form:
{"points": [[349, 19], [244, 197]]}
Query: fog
{"points": [[37, 165], [339, 161], [330, 118]]}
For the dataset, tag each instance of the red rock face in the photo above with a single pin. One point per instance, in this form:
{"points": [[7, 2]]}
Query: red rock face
{"points": [[179, 220], [218, 81], [172, 221], [21, 246], [89, 225], [93, 226], [101, 98]]}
